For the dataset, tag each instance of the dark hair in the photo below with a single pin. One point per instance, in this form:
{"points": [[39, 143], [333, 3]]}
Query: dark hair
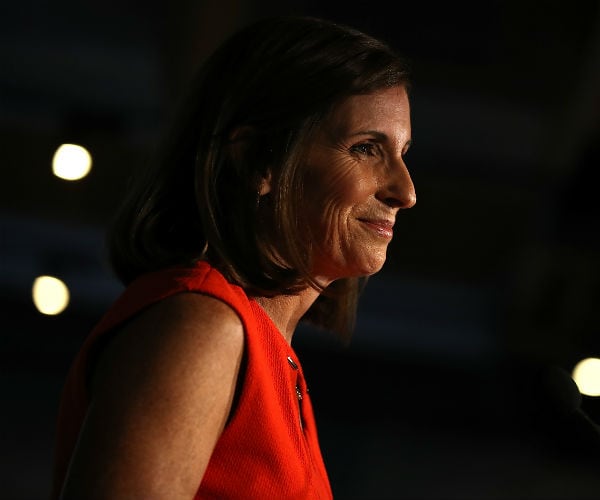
{"points": [[251, 113]]}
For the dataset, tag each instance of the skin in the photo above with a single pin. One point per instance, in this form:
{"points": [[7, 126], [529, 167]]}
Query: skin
{"points": [[358, 181], [161, 394], [163, 387]]}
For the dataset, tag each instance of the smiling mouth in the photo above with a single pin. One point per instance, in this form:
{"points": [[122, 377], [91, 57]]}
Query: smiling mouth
{"points": [[381, 227]]}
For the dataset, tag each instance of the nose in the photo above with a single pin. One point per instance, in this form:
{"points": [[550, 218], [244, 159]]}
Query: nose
{"points": [[397, 189]]}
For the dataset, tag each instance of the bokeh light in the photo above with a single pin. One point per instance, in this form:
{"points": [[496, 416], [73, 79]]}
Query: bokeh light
{"points": [[50, 295], [71, 162], [587, 376]]}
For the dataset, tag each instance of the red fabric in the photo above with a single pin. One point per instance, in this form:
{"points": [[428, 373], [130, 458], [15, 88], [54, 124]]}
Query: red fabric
{"points": [[269, 448]]}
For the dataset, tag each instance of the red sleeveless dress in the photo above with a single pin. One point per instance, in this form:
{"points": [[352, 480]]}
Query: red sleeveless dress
{"points": [[269, 449]]}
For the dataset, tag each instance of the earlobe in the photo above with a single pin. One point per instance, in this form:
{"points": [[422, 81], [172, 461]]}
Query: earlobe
{"points": [[264, 185], [243, 143]]}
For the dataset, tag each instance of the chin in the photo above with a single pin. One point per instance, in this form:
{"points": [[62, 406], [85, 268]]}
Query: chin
{"points": [[375, 262], [368, 268], [358, 264]]}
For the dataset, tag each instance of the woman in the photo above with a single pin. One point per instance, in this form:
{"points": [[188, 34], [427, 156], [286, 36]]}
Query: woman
{"points": [[275, 195]]}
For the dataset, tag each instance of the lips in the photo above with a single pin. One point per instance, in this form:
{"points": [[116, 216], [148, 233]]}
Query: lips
{"points": [[382, 227]]}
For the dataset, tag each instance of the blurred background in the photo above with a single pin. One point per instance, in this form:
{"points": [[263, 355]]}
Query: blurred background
{"points": [[459, 382]]}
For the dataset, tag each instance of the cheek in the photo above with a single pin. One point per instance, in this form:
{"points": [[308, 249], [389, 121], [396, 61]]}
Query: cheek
{"points": [[334, 201], [342, 183], [335, 187]]}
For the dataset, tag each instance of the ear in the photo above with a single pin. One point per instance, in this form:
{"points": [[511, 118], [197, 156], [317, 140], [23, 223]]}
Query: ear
{"points": [[241, 144], [264, 185]]}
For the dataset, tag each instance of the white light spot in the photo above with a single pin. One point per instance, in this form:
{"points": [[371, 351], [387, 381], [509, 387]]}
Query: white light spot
{"points": [[50, 295], [587, 376], [71, 162]]}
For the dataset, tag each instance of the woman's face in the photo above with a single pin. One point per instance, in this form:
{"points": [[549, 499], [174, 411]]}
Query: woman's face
{"points": [[356, 181]]}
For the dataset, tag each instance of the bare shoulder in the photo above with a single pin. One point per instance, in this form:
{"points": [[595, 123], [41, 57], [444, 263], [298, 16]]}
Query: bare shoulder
{"points": [[182, 349], [184, 328], [162, 392], [187, 313]]}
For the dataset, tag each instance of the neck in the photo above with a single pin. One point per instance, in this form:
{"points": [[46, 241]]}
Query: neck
{"points": [[287, 310]]}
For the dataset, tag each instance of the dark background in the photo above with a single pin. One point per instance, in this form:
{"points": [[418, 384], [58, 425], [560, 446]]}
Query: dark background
{"points": [[492, 277]]}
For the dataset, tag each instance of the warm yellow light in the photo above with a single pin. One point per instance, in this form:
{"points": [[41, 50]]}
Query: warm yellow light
{"points": [[71, 162], [587, 376], [50, 295]]}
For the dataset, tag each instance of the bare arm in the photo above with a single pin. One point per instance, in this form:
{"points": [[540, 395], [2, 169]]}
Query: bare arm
{"points": [[162, 393]]}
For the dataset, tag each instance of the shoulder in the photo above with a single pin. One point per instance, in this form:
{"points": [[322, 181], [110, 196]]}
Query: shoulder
{"points": [[177, 330], [192, 312], [161, 394]]}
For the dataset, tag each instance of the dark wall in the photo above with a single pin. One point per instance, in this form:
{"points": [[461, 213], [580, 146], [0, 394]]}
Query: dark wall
{"points": [[493, 277]]}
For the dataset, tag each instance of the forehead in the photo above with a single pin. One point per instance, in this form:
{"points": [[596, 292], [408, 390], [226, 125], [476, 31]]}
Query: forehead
{"points": [[383, 108]]}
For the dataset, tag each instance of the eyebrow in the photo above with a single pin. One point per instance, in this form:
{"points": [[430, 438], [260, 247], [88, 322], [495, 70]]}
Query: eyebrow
{"points": [[380, 136]]}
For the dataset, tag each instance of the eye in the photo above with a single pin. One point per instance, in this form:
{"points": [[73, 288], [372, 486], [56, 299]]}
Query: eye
{"points": [[364, 149]]}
